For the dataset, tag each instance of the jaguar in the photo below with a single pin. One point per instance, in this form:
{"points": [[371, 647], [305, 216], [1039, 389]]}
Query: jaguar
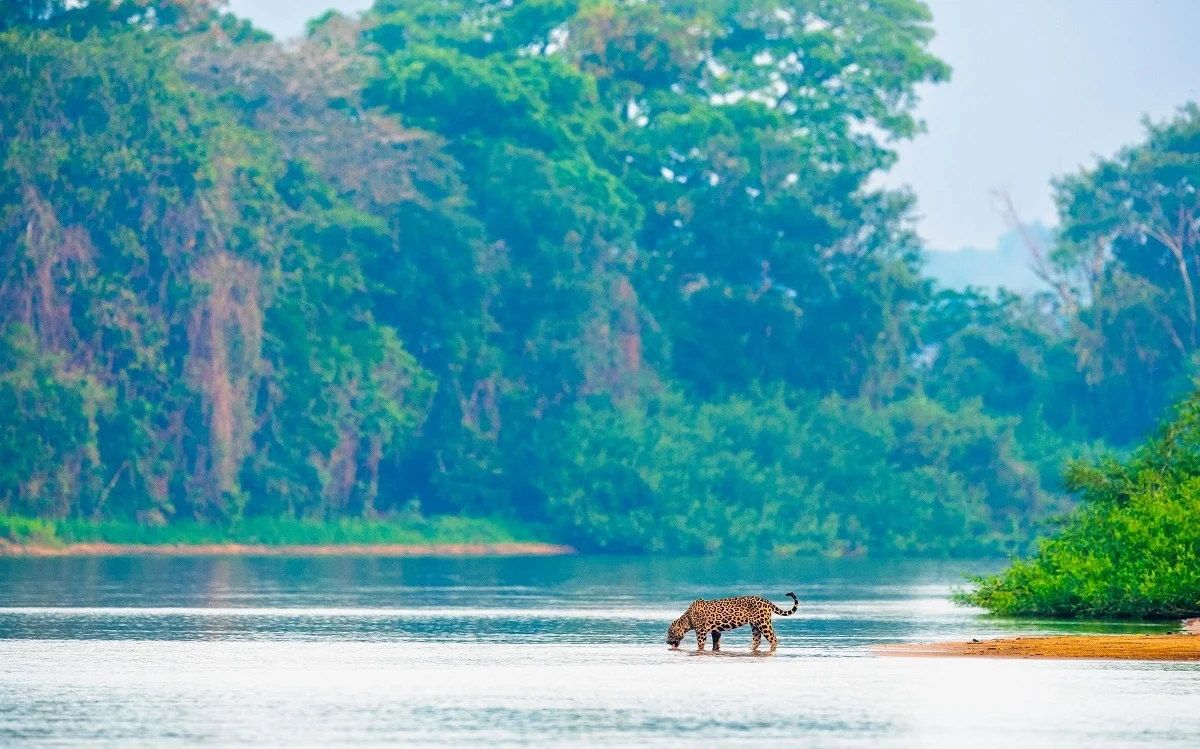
{"points": [[715, 617]]}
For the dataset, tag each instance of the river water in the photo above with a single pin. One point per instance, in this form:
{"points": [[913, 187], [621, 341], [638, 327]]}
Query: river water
{"points": [[536, 652]]}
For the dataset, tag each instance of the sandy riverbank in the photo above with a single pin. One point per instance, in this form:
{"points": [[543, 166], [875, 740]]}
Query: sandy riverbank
{"points": [[285, 550], [1171, 647]]}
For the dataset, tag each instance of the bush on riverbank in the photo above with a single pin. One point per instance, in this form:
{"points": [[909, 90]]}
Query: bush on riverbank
{"points": [[1131, 550]]}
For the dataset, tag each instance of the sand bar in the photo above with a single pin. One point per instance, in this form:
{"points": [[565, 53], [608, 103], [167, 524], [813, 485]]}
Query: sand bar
{"points": [[1171, 647], [286, 550]]}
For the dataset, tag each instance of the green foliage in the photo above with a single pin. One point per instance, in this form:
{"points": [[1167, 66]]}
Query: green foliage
{"points": [[1125, 272], [84, 14], [612, 267], [17, 529], [1131, 550], [188, 328], [783, 474], [674, 191], [48, 426], [762, 243], [531, 138]]}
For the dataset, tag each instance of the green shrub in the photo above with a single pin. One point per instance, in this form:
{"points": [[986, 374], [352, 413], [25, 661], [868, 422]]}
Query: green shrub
{"points": [[1131, 550], [786, 473]]}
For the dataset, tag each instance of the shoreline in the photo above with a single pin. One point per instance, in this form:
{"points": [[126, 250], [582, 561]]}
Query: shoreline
{"points": [[1184, 646], [99, 549]]}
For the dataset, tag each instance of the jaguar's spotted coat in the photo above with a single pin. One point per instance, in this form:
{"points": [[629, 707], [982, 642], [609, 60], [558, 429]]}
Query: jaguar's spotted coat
{"points": [[715, 617]]}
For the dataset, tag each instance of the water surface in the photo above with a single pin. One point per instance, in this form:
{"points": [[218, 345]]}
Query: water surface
{"points": [[535, 652]]}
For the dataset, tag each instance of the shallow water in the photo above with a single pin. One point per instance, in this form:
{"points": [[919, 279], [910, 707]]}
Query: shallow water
{"points": [[535, 652]]}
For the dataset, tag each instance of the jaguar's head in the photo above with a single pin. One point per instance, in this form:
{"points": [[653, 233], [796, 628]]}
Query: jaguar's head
{"points": [[677, 630]]}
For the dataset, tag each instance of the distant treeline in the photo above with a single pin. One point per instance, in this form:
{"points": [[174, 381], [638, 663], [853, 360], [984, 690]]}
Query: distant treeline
{"points": [[612, 268]]}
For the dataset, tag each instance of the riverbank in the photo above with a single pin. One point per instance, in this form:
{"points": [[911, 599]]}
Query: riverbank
{"points": [[510, 549], [1170, 647], [407, 535]]}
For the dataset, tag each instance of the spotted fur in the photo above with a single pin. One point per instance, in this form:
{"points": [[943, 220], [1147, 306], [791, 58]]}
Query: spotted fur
{"points": [[715, 617]]}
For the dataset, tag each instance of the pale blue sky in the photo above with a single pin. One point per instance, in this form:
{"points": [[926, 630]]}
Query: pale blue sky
{"points": [[1039, 88]]}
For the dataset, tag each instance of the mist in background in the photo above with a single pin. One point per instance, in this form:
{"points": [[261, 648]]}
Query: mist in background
{"points": [[1039, 88]]}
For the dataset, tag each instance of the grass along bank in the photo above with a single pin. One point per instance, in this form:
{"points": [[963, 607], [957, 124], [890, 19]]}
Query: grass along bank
{"points": [[450, 535]]}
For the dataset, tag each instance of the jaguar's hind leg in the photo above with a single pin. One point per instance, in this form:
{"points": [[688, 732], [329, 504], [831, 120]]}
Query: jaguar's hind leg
{"points": [[769, 632], [716, 635], [757, 638]]}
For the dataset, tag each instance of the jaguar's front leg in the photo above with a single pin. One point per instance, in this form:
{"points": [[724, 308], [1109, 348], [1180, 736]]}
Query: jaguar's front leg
{"points": [[757, 633], [716, 635], [701, 638]]}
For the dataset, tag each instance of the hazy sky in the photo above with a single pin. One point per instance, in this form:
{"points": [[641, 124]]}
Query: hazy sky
{"points": [[1039, 88]]}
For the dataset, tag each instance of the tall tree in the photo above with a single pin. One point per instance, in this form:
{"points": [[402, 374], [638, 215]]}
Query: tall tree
{"points": [[1129, 264], [751, 129], [194, 303], [525, 129]]}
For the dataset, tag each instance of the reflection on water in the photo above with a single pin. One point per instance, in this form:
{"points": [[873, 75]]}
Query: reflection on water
{"points": [[567, 651]]}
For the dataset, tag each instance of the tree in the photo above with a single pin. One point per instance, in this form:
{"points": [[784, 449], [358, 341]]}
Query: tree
{"points": [[561, 316], [191, 307], [1128, 254], [751, 129], [83, 14]]}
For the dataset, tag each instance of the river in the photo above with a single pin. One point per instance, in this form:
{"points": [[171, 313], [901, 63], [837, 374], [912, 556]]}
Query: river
{"points": [[567, 651]]}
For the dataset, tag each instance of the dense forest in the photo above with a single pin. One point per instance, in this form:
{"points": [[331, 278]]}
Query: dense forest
{"points": [[613, 268]]}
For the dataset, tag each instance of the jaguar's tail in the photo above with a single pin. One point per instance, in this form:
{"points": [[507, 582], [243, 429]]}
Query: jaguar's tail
{"points": [[795, 605]]}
